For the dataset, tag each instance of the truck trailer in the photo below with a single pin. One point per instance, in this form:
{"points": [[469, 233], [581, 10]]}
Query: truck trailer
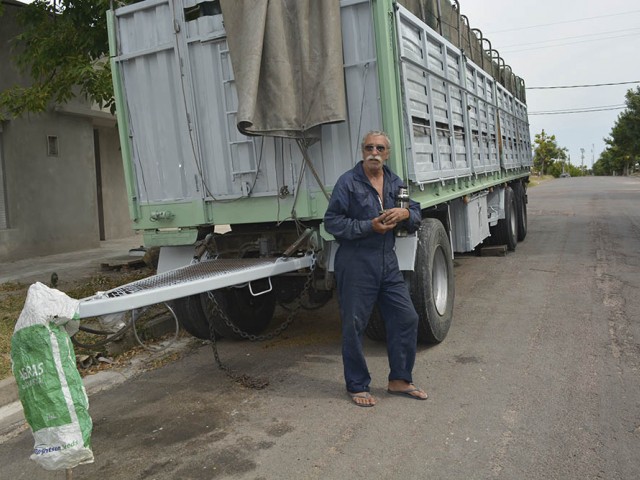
{"points": [[236, 118]]}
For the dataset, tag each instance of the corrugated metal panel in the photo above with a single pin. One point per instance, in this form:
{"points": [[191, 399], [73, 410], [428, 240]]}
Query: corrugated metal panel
{"points": [[435, 100], [452, 108], [514, 130], [523, 134], [482, 121], [361, 79], [182, 106], [159, 104]]}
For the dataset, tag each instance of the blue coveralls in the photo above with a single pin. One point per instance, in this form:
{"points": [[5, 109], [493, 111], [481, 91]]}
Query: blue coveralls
{"points": [[367, 272]]}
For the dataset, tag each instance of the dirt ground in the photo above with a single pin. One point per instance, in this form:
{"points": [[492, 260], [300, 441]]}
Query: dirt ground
{"points": [[78, 279]]}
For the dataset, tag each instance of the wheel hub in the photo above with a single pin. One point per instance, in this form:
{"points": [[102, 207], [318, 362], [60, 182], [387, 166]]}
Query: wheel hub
{"points": [[440, 281]]}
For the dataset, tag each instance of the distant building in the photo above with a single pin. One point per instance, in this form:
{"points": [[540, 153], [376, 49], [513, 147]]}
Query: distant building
{"points": [[61, 177]]}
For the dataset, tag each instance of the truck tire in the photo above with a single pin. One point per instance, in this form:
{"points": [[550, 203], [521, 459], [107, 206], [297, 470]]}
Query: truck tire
{"points": [[191, 316], [431, 284], [521, 205], [252, 315], [375, 328], [506, 231]]}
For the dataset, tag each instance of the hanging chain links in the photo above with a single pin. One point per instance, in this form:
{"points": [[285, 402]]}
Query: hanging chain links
{"points": [[215, 309]]}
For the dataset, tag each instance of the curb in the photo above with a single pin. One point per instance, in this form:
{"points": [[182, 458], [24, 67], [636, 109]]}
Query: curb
{"points": [[12, 421], [9, 388], [8, 391]]}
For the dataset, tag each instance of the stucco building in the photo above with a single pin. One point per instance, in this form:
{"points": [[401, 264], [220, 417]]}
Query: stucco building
{"points": [[61, 176]]}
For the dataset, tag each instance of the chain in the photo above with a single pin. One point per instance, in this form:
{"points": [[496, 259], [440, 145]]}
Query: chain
{"points": [[215, 309], [241, 378]]}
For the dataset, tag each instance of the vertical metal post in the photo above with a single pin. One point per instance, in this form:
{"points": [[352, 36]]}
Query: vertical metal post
{"points": [[457, 9], [439, 12]]}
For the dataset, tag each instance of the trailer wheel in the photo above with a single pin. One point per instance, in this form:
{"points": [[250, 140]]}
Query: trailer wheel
{"points": [[249, 314], [375, 328], [191, 316], [506, 231], [521, 202], [431, 284]]}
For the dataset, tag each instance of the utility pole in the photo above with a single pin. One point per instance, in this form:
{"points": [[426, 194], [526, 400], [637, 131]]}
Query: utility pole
{"points": [[582, 154]]}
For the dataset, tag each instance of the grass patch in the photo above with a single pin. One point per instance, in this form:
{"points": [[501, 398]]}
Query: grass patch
{"points": [[13, 295], [535, 180]]}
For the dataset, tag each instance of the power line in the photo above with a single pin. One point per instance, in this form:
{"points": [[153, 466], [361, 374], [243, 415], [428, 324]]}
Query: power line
{"points": [[568, 43], [570, 38], [559, 23], [585, 110], [582, 86], [581, 108]]}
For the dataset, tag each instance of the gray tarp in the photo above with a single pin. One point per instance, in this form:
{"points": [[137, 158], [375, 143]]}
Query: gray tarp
{"points": [[287, 62]]}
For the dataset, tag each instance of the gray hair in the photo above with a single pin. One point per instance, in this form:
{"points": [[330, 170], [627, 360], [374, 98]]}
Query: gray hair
{"points": [[377, 133]]}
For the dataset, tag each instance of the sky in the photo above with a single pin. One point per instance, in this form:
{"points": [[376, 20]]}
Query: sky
{"points": [[566, 43]]}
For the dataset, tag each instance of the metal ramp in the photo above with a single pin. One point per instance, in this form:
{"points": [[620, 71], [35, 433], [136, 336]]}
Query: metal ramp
{"points": [[189, 280]]}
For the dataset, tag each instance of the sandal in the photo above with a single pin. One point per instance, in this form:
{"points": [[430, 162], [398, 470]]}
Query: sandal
{"points": [[362, 396]]}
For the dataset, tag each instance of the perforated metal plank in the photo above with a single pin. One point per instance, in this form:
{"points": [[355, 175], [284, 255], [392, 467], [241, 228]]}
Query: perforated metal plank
{"points": [[189, 280]]}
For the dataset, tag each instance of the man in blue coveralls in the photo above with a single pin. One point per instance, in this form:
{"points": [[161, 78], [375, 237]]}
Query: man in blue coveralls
{"points": [[362, 216]]}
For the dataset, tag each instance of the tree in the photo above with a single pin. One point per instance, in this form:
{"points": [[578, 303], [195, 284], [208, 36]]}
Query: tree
{"points": [[64, 49], [623, 144], [547, 152], [605, 165]]}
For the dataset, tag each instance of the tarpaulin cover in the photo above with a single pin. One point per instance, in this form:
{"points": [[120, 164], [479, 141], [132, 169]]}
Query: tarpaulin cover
{"points": [[446, 18], [50, 388], [287, 62]]}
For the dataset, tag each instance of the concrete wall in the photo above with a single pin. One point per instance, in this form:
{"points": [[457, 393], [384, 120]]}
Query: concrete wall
{"points": [[52, 201], [117, 223]]}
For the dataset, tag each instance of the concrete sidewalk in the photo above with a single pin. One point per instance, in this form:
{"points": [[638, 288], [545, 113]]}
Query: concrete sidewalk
{"points": [[69, 267]]}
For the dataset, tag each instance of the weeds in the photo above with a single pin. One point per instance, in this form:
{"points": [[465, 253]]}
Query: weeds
{"points": [[13, 295]]}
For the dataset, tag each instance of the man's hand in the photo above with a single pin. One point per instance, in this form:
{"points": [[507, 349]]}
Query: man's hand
{"points": [[389, 219]]}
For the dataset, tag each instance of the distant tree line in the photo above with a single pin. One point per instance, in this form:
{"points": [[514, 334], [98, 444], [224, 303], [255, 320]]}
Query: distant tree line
{"points": [[621, 155], [622, 152], [551, 159]]}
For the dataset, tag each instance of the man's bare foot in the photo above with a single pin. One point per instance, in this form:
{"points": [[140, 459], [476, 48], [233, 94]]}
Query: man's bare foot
{"points": [[400, 387], [362, 399]]}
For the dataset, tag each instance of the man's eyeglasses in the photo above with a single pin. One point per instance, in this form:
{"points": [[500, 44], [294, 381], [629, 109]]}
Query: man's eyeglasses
{"points": [[379, 148]]}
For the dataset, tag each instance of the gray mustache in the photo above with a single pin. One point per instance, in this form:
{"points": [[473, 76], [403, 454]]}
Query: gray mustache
{"points": [[374, 157]]}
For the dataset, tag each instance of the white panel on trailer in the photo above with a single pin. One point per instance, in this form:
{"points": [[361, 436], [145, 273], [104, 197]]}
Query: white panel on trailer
{"points": [[452, 108], [180, 91], [162, 156], [514, 131], [469, 225], [432, 72]]}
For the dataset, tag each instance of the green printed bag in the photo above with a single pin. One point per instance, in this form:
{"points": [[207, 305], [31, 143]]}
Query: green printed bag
{"points": [[50, 388]]}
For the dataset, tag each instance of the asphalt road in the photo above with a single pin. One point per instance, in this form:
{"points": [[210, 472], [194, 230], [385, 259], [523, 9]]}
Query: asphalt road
{"points": [[538, 378]]}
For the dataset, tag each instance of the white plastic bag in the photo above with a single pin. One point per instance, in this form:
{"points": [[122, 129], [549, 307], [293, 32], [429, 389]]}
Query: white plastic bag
{"points": [[53, 397]]}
